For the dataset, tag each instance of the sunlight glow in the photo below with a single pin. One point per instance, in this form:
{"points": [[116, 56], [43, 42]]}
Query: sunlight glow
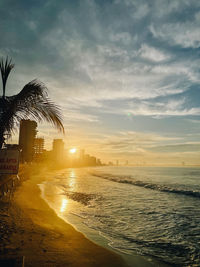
{"points": [[73, 150], [64, 205], [72, 180]]}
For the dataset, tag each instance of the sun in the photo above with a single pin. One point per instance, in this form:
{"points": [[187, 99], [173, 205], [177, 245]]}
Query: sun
{"points": [[73, 150]]}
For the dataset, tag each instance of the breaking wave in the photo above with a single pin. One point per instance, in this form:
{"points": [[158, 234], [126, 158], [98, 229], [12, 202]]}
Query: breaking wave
{"points": [[158, 187]]}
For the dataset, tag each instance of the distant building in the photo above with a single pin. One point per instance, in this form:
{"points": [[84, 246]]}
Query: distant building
{"points": [[93, 161], [39, 145], [89, 160], [38, 148], [27, 133], [58, 150], [98, 162], [82, 155]]}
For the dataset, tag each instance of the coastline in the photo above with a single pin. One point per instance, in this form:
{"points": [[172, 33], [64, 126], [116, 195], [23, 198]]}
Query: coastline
{"points": [[59, 204], [37, 233]]}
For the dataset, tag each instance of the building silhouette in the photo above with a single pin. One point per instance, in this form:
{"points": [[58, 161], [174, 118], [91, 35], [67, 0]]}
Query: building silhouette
{"points": [[82, 155], [27, 133], [98, 162], [58, 150], [38, 148], [87, 160]]}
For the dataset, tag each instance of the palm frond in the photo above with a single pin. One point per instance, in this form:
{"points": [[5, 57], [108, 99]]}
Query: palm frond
{"points": [[32, 101], [5, 68]]}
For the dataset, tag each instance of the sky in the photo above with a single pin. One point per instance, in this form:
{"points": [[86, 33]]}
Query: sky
{"points": [[124, 72]]}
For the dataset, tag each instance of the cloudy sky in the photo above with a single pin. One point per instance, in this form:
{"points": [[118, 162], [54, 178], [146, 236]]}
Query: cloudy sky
{"points": [[125, 73]]}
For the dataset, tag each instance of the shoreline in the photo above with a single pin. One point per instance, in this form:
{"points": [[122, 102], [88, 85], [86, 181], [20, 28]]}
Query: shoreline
{"points": [[43, 238], [77, 222]]}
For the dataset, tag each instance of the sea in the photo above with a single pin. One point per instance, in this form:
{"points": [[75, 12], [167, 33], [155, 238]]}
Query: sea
{"points": [[149, 215]]}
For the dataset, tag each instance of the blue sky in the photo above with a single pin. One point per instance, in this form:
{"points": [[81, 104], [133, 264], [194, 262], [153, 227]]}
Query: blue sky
{"points": [[125, 73]]}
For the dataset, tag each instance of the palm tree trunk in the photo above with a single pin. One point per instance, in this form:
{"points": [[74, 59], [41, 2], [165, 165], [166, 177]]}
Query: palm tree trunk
{"points": [[4, 90]]}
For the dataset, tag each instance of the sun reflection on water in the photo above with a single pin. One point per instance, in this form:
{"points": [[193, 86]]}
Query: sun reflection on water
{"points": [[72, 180], [72, 174], [64, 205]]}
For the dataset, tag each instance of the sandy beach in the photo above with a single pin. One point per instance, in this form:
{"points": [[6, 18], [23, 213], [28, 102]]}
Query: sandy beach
{"points": [[30, 229]]}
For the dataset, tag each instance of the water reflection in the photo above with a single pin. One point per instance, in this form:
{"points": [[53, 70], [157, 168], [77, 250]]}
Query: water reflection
{"points": [[64, 205], [72, 179]]}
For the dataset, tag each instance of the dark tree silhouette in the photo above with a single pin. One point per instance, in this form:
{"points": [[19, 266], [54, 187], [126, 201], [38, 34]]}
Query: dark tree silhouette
{"points": [[31, 102]]}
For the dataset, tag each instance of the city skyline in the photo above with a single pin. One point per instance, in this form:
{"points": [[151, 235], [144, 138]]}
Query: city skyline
{"points": [[72, 153], [128, 84], [32, 149]]}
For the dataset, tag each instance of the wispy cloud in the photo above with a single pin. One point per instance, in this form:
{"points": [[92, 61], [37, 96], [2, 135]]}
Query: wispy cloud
{"points": [[177, 148], [169, 108], [184, 34], [134, 141], [152, 53]]}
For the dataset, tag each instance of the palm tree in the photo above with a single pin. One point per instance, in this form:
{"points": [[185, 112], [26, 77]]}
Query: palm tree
{"points": [[32, 101]]}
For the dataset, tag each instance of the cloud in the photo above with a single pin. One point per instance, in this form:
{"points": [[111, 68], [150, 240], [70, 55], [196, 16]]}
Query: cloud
{"points": [[193, 121], [76, 116], [176, 148], [123, 37], [152, 53], [134, 141], [172, 107], [185, 34], [101, 57]]}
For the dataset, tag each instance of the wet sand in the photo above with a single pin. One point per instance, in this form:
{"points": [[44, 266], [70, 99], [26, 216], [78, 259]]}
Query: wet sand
{"points": [[30, 228]]}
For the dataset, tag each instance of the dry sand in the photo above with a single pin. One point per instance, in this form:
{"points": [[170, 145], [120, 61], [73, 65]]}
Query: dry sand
{"points": [[30, 228]]}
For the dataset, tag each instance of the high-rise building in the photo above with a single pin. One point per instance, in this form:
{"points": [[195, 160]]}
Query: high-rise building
{"points": [[98, 163], [27, 133], [38, 148], [58, 150], [39, 145], [82, 155]]}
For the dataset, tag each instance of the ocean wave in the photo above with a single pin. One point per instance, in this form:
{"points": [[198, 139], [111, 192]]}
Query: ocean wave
{"points": [[158, 187]]}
